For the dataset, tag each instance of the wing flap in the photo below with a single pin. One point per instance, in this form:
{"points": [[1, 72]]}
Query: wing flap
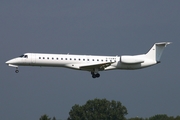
{"points": [[100, 66]]}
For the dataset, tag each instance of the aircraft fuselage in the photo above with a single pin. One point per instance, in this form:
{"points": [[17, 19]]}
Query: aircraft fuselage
{"points": [[91, 63]]}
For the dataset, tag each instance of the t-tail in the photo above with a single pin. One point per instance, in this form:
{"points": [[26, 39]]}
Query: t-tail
{"points": [[156, 51]]}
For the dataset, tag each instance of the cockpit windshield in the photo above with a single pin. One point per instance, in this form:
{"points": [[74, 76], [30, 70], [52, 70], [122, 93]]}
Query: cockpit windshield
{"points": [[24, 56], [21, 56]]}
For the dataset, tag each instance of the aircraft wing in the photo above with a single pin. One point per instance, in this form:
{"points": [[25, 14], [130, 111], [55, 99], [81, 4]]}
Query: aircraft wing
{"points": [[100, 66]]}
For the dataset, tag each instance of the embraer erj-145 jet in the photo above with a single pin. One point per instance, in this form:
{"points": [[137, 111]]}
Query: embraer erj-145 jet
{"points": [[91, 63]]}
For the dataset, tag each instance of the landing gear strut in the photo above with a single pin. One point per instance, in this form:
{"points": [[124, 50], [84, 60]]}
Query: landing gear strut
{"points": [[95, 75]]}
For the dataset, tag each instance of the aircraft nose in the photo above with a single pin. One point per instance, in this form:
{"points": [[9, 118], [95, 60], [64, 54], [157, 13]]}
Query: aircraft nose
{"points": [[8, 62], [11, 61]]}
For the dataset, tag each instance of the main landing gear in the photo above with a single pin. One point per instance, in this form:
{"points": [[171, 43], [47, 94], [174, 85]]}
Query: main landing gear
{"points": [[95, 75]]}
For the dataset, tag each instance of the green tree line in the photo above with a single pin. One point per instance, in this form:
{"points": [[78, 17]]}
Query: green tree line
{"points": [[102, 109], [157, 117]]}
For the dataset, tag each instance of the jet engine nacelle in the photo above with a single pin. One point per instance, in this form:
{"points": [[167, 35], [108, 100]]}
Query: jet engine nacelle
{"points": [[131, 59]]}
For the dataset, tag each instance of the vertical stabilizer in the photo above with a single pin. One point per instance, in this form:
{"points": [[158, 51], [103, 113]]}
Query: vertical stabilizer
{"points": [[156, 51]]}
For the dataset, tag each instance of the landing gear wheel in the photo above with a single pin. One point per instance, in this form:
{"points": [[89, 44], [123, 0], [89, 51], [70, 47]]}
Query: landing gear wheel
{"points": [[97, 75], [93, 76], [16, 71]]}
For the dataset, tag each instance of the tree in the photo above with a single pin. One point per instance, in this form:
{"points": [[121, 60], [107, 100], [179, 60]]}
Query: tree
{"points": [[54, 118], [98, 109], [177, 118], [137, 118], [159, 117], [44, 117]]}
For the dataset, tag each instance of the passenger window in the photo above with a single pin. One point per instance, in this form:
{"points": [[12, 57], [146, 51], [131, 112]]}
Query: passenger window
{"points": [[61, 58], [39, 57], [57, 58], [83, 59], [70, 59], [52, 58], [79, 59], [43, 58], [48, 58], [74, 58], [66, 58]]}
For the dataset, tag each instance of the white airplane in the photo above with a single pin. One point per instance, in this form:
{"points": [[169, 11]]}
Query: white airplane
{"points": [[91, 63]]}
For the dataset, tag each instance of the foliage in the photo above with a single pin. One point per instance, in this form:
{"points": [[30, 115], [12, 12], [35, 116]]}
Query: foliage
{"points": [[137, 118], [98, 109], [177, 118], [45, 117], [157, 117], [54, 118]]}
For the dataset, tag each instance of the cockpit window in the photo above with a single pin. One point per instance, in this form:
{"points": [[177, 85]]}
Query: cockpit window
{"points": [[24, 56], [21, 56]]}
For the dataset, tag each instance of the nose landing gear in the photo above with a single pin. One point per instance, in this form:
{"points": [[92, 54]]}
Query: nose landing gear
{"points": [[16, 70]]}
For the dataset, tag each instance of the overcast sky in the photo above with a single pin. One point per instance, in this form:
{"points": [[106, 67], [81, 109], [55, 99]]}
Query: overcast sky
{"points": [[96, 27]]}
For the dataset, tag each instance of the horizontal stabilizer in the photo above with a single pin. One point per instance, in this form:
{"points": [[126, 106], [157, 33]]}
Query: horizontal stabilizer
{"points": [[163, 43]]}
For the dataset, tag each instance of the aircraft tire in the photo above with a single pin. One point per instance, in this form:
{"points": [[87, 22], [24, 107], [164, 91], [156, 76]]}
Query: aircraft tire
{"points": [[93, 76], [97, 75], [16, 71]]}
